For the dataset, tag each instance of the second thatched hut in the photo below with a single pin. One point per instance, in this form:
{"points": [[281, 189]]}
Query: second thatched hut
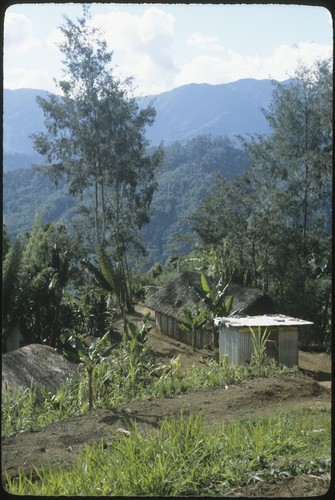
{"points": [[169, 301]]}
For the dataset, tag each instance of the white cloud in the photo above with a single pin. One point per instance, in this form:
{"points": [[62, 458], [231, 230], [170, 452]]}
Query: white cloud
{"points": [[148, 76], [146, 47], [142, 46], [156, 24], [202, 42], [285, 59], [54, 39], [233, 66], [18, 78], [19, 37]]}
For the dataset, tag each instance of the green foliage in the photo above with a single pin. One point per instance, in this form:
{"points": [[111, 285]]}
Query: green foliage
{"points": [[118, 375], [99, 349], [215, 297], [184, 458], [269, 228], [217, 303], [36, 271], [259, 357], [26, 193]]}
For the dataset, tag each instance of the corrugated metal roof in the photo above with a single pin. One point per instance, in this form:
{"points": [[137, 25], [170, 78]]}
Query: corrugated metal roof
{"points": [[265, 320]]}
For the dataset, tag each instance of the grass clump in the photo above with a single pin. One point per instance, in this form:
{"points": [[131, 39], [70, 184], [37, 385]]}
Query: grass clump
{"points": [[183, 458]]}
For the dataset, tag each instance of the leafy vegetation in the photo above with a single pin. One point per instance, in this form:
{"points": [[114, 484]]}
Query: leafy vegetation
{"points": [[259, 340], [183, 458], [36, 270], [113, 375]]}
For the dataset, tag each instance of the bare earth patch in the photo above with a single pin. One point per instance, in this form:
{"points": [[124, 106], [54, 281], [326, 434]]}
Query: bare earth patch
{"points": [[58, 444]]}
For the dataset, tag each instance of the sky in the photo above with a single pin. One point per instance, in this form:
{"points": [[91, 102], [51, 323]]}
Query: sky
{"points": [[163, 46]]}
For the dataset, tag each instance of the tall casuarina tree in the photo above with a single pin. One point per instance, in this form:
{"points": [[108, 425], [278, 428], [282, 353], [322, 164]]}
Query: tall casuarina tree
{"points": [[95, 136]]}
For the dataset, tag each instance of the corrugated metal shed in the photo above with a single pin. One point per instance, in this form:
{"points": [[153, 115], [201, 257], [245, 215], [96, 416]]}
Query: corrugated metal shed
{"points": [[235, 338]]}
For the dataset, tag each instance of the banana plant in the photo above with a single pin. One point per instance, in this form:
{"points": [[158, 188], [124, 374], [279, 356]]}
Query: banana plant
{"points": [[193, 319], [90, 357], [110, 280], [217, 301]]}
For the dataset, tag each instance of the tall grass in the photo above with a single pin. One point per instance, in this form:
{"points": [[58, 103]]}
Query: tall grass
{"points": [[183, 458]]}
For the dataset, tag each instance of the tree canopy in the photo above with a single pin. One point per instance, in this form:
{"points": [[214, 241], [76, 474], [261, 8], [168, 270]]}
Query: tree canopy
{"points": [[270, 226]]}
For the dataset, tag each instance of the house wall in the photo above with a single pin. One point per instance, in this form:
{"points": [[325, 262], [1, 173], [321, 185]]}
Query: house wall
{"points": [[169, 326], [236, 345]]}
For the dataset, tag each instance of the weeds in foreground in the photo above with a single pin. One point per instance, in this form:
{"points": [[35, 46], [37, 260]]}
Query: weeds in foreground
{"points": [[184, 458], [129, 373]]}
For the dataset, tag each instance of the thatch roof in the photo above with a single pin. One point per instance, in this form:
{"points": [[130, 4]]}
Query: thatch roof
{"points": [[250, 301], [179, 292], [176, 294]]}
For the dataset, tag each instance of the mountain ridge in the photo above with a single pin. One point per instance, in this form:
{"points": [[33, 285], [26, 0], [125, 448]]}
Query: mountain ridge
{"points": [[227, 109]]}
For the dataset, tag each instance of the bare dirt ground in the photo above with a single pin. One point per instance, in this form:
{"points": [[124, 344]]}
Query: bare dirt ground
{"points": [[58, 444]]}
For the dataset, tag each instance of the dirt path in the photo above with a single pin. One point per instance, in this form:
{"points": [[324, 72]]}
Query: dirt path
{"points": [[59, 444]]}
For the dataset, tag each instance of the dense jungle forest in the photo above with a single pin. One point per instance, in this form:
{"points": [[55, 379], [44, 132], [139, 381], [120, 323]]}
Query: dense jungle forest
{"points": [[126, 216]]}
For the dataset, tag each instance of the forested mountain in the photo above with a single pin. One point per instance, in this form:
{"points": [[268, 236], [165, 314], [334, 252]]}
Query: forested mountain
{"points": [[185, 178], [197, 123], [182, 113]]}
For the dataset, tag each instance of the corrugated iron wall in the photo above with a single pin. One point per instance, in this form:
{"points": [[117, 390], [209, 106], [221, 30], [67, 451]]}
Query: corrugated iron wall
{"points": [[229, 345], [288, 346], [245, 348], [238, 345]]}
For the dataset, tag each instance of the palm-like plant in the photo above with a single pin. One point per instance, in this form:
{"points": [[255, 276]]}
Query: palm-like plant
{"points": [[90, 357], [110, 280], [218, 303], [193, 319]]}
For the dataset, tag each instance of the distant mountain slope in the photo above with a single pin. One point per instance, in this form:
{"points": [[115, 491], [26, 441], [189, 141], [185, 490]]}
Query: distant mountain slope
{"points": [[22, 117], [194, 109], [182, 113]]}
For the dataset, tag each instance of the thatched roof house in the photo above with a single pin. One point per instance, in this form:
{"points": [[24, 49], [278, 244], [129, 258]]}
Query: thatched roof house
{"points": [[179, 292], [251, 301], [171, 298]]}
